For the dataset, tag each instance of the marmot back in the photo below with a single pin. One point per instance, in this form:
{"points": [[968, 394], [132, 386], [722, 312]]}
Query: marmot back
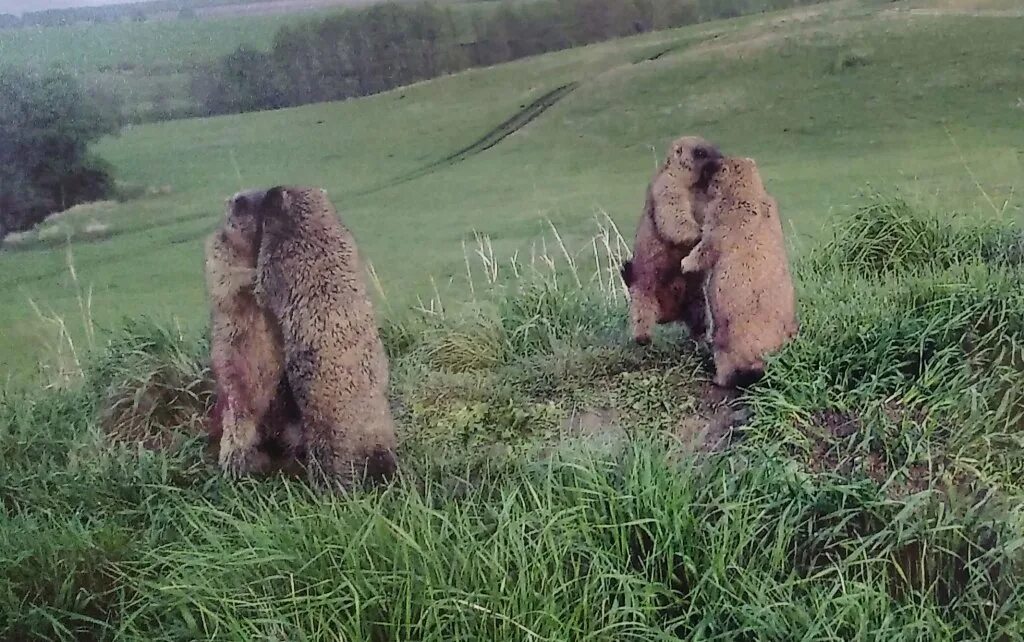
{"points": [[749, 287], [310, 276]]}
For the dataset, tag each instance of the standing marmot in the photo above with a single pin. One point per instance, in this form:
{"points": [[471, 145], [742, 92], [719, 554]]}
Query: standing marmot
{"points": [[255, 417], [749, 289], [669, 228], [310, 277]]}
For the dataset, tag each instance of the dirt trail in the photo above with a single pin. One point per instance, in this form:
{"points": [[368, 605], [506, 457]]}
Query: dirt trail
{"points": [[518, 121]]}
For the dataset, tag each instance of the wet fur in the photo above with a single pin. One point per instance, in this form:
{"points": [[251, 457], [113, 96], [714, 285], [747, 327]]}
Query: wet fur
{"points": [[749, 288]]}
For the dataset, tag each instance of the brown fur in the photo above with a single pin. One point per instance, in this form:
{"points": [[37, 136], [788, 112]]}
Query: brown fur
{"points": [[669, 227], [310, 277], [749, 289], [254, 417]]}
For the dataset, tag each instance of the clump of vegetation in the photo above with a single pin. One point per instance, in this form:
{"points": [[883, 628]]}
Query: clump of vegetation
{"points": [[47, 123], [889, 236], [81, 222], [875, 488], [153, 386], [850, 59]]}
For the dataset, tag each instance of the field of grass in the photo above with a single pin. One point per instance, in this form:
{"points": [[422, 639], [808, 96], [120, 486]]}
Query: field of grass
{"points": [[558, 482], [831, 100]]}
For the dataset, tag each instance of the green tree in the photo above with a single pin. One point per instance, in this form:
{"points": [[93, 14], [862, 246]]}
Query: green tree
{"points": [[47, 123]]}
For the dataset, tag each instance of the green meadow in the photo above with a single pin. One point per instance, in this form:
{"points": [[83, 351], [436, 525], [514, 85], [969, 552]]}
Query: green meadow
{"points": [[832, 101], [557, 481]]}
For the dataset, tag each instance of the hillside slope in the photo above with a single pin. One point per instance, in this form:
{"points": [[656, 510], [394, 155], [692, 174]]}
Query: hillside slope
{"points": [[829, 99], [559, 482]]}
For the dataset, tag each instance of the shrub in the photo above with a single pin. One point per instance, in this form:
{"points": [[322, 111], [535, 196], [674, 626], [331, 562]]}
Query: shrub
{"points": [[47, 123]]}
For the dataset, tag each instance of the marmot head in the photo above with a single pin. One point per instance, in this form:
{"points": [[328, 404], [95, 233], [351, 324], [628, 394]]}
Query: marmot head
{"points": [[735, 175], [286, 209], [694, 160], [242, 227]]}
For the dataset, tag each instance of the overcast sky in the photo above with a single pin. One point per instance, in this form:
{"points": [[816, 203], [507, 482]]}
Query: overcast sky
{"points": [[21, 6]]}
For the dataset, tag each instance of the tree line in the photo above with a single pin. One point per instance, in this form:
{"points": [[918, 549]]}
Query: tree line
{"points": [[367, 51]]}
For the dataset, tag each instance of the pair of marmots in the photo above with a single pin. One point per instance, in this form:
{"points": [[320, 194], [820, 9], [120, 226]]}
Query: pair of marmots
{"points": [[300, 370], [710, 253]]}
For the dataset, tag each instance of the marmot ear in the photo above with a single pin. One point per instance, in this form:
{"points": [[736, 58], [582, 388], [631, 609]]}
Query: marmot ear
{"points": [[627, 273]]}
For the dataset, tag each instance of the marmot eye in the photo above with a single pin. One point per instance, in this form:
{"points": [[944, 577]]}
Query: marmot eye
{"points": [[700, 153]]}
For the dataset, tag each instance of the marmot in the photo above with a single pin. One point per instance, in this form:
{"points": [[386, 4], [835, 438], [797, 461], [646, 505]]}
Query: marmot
{"points": [[254, 421], [748, 287], [310, 277], [669, 228]]}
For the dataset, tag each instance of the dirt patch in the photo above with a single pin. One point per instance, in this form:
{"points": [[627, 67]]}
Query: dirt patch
{"points": [[601, 425], [835, 424], [711, 427], [834, 436]]}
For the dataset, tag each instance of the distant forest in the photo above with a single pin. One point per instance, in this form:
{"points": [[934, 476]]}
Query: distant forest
{"points": [[366, 51]]}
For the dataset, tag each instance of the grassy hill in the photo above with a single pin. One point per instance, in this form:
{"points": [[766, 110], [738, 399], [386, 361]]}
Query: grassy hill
{"points": [[559, 482], [831, 100]]}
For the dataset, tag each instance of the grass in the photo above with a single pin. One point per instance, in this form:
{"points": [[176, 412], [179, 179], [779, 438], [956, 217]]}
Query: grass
{"points": [[873, 495], [558, 482], [764, 87]]}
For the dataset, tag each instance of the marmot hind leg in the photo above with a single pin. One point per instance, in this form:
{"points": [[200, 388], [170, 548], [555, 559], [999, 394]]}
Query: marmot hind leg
{"points": [[695, 307], [240, 452], [732, 371], [328, 466]]}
